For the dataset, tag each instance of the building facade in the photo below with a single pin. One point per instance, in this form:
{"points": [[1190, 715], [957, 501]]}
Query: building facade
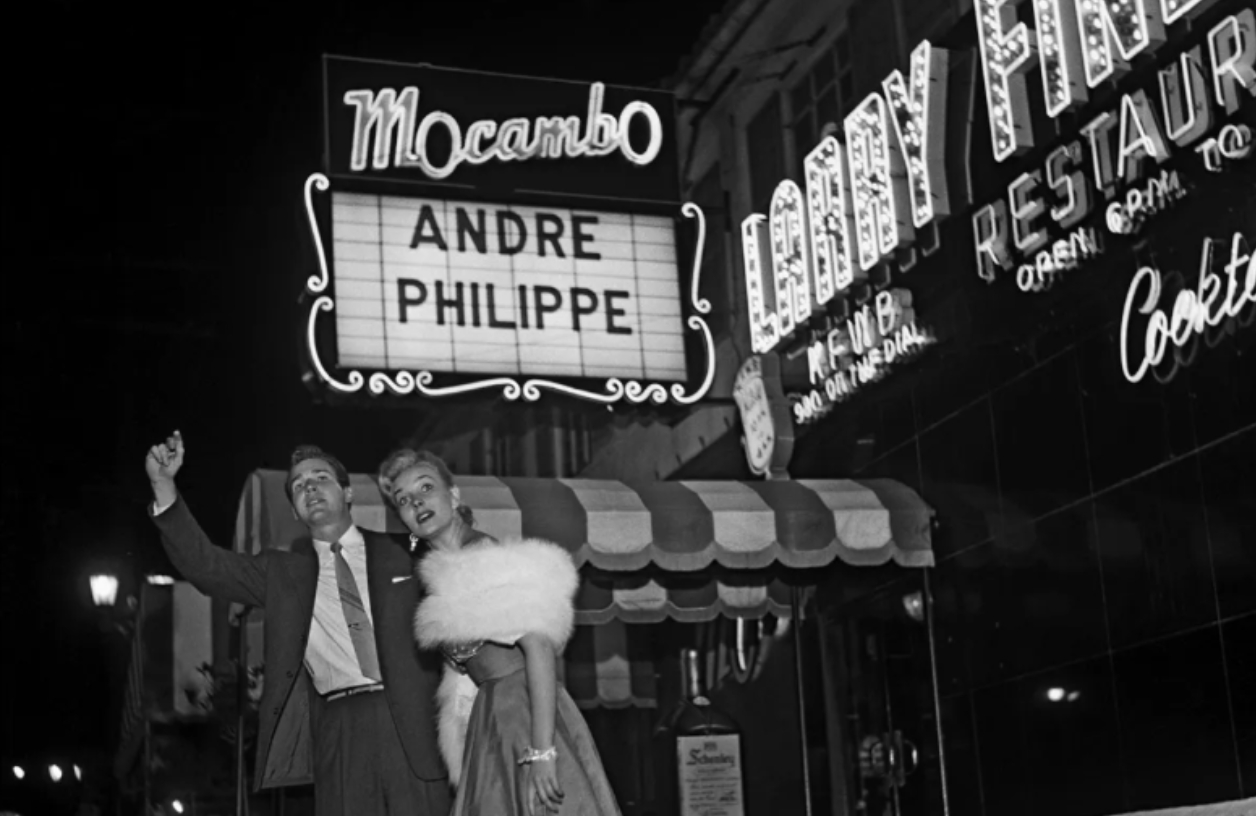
{"points": [[1062, 271]]}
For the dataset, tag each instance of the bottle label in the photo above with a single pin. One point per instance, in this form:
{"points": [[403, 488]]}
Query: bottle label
{"points": [[710, 775]]}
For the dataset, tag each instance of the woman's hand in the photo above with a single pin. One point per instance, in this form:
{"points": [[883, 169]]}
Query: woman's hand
{"points": [[545, 795]]}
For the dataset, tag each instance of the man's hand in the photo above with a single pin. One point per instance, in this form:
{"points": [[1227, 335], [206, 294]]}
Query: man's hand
{"points": [[162, 464]]}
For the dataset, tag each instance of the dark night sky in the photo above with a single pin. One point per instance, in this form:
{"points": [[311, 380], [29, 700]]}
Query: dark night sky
{"points": [[154, 250]]}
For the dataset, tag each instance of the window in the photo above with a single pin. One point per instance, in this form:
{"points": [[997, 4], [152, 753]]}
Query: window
{"points": [[766, 155], [824, 95]]}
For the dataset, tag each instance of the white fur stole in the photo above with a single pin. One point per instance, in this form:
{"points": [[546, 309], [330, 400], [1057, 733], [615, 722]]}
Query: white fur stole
{"points": [[496, 592]]}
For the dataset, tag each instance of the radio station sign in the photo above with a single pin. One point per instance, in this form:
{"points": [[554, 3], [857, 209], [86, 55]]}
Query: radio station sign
{"points": [[500, 233], [418, 124]]}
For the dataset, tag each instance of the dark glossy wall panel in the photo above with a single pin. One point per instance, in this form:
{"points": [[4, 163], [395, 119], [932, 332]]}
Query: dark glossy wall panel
{"points": [[1228, 471], [1175, 722], [1040, 439], [1220, 411], [960, 473], [1050, 743], [1240, 662], [1130, 427], [1034, 597], [1153, 542]]}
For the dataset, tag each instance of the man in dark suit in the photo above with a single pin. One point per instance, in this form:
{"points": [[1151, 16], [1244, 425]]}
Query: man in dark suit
{"points": [[348, 701]]}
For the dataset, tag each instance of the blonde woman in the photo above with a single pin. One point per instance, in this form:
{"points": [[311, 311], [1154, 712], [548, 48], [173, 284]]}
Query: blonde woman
{"points": [[501, 612]]}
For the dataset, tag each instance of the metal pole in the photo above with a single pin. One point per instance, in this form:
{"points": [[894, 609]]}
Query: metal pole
{"points": [[242, 698], [795, 607], [138, 632], [148, 802]]}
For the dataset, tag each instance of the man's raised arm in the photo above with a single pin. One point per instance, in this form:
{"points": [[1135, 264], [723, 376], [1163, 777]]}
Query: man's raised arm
{"points": [[214, 571]]}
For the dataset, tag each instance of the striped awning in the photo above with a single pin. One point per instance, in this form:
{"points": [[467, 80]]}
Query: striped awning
{"points": [[684, 550]]}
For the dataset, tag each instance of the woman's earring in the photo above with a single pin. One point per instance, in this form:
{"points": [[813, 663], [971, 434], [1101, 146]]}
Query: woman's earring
{"points": [[414, 542]]}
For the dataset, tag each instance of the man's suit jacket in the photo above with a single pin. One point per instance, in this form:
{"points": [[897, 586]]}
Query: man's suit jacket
{"points": [[283, 583]]}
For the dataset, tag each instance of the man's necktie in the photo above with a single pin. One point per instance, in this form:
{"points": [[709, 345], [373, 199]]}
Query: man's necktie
{"points": [[355, 615]]}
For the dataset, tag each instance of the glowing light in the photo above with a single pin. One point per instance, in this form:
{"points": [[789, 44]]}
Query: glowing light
{"points": [[1232, 52], [1065, 254], [160, 580], [1232, 143], [1098, 131], [1075, 191], [176, 806], [55, 773], [1006, 54], [1139, 136], [1208, 306], [757, 264], [1173, 10], [1117, 31], [421, 382], [830, 222], [1055, 694], [919, 113], [104, 589], [1073, 695], [391, 118], [877, 181], [19, 772], [1060, 56], [78, 773], [1026, 207], [789, 257], [1184, 99], [1126, 216], [990, 240], [878, 335]]}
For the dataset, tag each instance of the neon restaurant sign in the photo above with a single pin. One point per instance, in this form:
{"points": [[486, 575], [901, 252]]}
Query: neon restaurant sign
{"points": [[1078, 47], [503, 233], [866, 198]]}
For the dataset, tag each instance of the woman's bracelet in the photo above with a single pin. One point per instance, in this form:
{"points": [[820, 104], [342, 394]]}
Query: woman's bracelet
{"points": [[533, 755]]}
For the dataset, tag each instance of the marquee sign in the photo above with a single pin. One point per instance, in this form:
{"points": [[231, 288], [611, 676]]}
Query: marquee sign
{"points": [[502, 234], [483, 289]]}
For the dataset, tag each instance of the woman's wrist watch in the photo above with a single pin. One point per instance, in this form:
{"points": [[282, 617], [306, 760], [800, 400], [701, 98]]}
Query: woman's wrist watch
{"points": [[533, 755]]}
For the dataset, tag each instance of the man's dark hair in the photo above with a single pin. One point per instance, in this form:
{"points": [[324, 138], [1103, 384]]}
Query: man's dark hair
{"points": [[304, 452]]}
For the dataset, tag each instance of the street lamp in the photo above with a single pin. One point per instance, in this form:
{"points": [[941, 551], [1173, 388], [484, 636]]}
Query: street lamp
{"points": [[104, 589]]}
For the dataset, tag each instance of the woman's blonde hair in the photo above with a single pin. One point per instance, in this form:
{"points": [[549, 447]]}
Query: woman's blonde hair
{"points": [[401, 460]]}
